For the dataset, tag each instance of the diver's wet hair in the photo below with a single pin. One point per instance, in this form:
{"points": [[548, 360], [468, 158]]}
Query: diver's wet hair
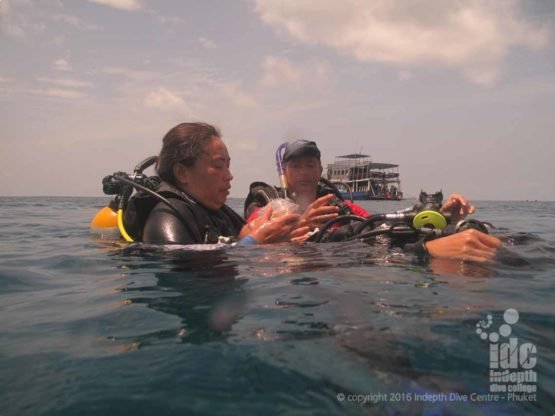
{"points": [[183, 144]]}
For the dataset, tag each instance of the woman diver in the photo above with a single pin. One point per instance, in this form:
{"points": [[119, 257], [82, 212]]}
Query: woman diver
{"points": [[194, 168]]}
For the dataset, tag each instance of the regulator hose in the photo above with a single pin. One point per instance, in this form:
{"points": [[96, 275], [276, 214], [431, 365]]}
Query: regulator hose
{"points": [[318, 236], [127, 181]]}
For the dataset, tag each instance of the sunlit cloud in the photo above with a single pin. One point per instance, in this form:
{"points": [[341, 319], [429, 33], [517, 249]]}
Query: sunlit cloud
{"points": [[207, 43], [68, 83], [75, 22], [281, 72], [166, 100], [60, 93], [133, 74], [129, 5], [237, 96], [175, 20], [472, 37], [61, 64]]}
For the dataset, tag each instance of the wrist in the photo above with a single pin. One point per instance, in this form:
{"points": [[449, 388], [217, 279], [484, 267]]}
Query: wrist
{"points": [[419, 248], [248, 240], [425, 249]]}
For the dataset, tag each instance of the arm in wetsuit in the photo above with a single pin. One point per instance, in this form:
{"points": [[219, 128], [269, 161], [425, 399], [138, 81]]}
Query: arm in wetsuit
{"points": [[164, 227]]}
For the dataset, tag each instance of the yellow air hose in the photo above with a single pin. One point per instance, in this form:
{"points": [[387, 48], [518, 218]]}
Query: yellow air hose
{"points": [[121, 227]]}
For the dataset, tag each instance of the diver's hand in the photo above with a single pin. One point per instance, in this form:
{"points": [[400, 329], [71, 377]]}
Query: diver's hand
{"points": [[300, 234], [470, 245], [458, 207], [265, 231], [319, 212]]}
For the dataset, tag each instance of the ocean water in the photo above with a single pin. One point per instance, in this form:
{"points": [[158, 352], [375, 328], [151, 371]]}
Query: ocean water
{"points": [[92, 326]]}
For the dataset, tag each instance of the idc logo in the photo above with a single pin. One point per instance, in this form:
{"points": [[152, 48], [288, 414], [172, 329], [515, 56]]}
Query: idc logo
{"points": [[511, 362]]}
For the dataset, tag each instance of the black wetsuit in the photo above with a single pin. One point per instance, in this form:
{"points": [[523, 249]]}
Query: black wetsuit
{"points": [[150, 220]]}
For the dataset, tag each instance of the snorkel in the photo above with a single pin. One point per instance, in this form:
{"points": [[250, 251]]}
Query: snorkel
{"points": [[281, 168]]}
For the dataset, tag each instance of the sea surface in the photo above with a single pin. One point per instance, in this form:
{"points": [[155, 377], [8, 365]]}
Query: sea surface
{"points": [[92, 326]]}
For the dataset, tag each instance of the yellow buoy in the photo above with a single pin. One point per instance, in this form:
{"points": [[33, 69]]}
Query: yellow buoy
{"points": [[105, 218], [104, 226]]}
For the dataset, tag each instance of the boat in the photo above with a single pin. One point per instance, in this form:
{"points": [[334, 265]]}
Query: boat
{"points": [[358, 178]]}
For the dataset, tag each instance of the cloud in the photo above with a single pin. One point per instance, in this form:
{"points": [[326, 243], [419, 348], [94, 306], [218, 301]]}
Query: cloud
{"points": [[207, 43], [176, 20], [237, 96], [166, 100], [278, 71], [75, 22], [138, 6], [23, 18], [472, 37], [61, 65], [281, 72], [11, 22], [128, 5], [68, 83], [132, 74], [60, 93]]}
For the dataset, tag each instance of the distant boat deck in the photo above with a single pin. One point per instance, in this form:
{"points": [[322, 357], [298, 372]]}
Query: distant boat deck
{"points": [[358, 178]]}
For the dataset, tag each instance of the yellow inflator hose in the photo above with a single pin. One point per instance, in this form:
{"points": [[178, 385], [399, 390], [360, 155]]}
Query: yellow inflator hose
{"points": [[122, 228]]}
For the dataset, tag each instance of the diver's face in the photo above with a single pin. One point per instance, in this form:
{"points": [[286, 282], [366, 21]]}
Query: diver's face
{"points": [[303, 174], [209, 179]]}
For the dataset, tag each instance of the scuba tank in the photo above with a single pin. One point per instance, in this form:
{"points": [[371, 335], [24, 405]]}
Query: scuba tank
{"points": [[108, 221], [122, 217]]}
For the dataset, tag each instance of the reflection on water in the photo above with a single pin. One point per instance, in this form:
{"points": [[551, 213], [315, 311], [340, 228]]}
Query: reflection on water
{"points": [[202, 288], [380, 310]]}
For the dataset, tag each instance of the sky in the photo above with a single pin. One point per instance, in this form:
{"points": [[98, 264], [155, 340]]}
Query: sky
{"points": [[460, 94]]}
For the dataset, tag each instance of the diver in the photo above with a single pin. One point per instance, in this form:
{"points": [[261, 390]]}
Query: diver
{"points": [[187, 205], [300, 171], [319, 200]]}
